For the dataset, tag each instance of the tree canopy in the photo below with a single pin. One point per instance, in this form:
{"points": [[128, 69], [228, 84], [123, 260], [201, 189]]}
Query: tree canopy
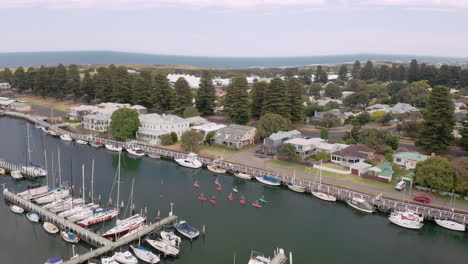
{"points": [[272, 123], [190, 141], [124, 123], [436, 173]]}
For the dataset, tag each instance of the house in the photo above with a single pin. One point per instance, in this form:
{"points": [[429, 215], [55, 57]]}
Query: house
{"points": [[197, 120], [359, 168], [402, 108], [352, 154], [237, 136], [97, 123], [320, 115], [408, 160], [384, 171], [155, 125], [324, 102], [275, 141], [328, 147], [207, 128], [305, 147], [78, 112]]}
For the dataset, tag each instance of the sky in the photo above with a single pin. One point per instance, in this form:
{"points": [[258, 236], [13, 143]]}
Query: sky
{"points": [[237, 27]]}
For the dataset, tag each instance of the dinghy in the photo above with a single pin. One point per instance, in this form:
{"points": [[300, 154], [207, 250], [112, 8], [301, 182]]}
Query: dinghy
{"points": [[231, 197], [16, 175], [213, 201], [96, 144], [50, 228], [81, 142], [196, 184], [243, 175], [16, 209], [186, 230], [170, 237], [145, 254], [69, 237], [256, 204], [154, 156], [66, 137], [216, 169], [163, 247], [54, 261], [113, 148], [2, 171], [33, 217], [202, 197], [125, 257], [138, 152], [242, 200]]}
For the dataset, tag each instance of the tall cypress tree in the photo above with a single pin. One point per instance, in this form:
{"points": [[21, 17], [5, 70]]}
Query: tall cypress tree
{"points": [[183, 93], [402, 70], [356, 71], [464, 78], [7, 76], [30, 79], [276, 100], [258, 94], [123, 85], [395, 73], [103, 84], [239, 100], [163, 93], [20, 79], [367, 72], [87, 87], [40, 82], [74, 81], [383, 73], [305, 78], [343, 73], [142, 88], [444, 76], [439, 121], [413, 71], [206, 94], [59, 84], [295, 92], [321, 75], [428, 73]]}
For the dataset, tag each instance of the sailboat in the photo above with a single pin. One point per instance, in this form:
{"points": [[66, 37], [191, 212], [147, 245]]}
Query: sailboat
{"points": [[268, 180], [32, 169], [135, 151], [108, 260], [170, 237], [256, 204], [231, 197], [145, 254], [164, 247], [262, 199], [69, 237], [57, 195], [320, 194], [407, 219], [213, 200], [294, 187], [81, 142], [451, 223], [202, 197], [242, 200]]}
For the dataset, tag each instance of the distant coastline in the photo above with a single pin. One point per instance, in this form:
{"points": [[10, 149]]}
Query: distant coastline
{"points": [[26, 59]]}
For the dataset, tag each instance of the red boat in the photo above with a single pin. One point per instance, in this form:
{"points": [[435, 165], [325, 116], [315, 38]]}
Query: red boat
{"points": [[256, 204], [422, 199], [219, 189], [196, 185], [231, 197], [202, 198], [213, 201], [242, 201]]}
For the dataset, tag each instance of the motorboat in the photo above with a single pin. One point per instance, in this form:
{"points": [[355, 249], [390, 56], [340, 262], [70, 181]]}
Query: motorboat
{"points": [[54, 133], [108, 260], [451, 224], [170, 237], [268, 180], [45, 130], [191, 161], [2, 171], [37, 125], [164, 247], [243, 175], [138, 152], [407, 219], [82, 215], [124, 226], [98, 217], [16, 209], [81, 142], [69, 237], [324, 196], [113, 148], [66, 137], [216, 169], [56, 195], [50, 228], [77, 209], [34, 171], [54, 261], [154, 156], [33, 217], [145, 254], [186, 230], [125, 257], [361, 205], [257, 257], [16, 175], [96, 144]]}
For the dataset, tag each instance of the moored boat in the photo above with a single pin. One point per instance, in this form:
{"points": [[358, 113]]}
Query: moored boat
{"points": [[451, 224], [407, 219], [2, 171], [324, 196], [268, 180], [170, 237], [361, 205], [34, 193], [33, 217], [98, 217], [243, 175], [56, 195], [16, 209], [108, 260], [45, 130], [257, 257], [50, 228], [138, 152], [165, 248], [216, 169], [82, 215], [124, 226], [113, 148], [191, 161], [125, 257], [154, 156], [145, 254], [296, 188], [63, 205], [77, 209], [66, 137], [81, 142], [96, 144], [54, 261], [69, 237], [186, 230], [16, 175], [54, 133]]}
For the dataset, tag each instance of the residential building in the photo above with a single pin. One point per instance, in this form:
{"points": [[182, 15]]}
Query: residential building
{"points": [[383, 170], [324, 102], [77, 113], [207, 128], [320, 115], [305, 147], [402, 108], [197, 120], [237, 136], [275, 141], [408, 160], [378, 107], [153, 126], [97, 123], [352, 154], [328, 147], [359, 168]]}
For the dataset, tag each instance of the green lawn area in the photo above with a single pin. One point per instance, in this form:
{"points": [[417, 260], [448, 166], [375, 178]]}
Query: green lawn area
{"points": [[447, 199], [348, 178], [218, 149]]}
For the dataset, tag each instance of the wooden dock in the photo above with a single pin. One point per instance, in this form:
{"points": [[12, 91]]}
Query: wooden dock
{"points": [[28, 172], [383, 204]]}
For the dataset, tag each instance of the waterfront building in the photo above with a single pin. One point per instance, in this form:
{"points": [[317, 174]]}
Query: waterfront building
{"points": [[307, 147], [197, 120], [154, 125], [78, 112], [408, 160], [352, 154], [383, 170], [237, 136], [97, 122], [275, 141], [207, 128]]}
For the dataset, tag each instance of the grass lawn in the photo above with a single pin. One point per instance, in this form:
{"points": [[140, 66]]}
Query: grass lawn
{"points": [[348, 178], [209, 151], [48, 102], [448, 198], [218, 149], [334, 166]]}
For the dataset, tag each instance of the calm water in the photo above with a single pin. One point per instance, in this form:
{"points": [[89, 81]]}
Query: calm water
{"points": [[110, 57], [315, 231]]}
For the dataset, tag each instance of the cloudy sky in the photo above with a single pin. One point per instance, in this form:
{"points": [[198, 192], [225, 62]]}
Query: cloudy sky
{"points": [[237, 27]]}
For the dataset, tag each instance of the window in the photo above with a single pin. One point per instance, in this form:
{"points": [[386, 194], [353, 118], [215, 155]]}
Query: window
{"points": [[398, 160]]}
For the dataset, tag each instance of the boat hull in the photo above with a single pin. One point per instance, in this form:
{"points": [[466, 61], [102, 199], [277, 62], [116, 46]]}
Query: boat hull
{"points": [[295, 188], [243, 176], [359, 208], [324, 196], [451, 225], [50, 228], [262, 180], [216, 169], [405, 224]]}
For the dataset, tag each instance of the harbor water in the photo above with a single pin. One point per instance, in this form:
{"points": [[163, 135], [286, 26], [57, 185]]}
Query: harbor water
{"points": [[315, 231]]}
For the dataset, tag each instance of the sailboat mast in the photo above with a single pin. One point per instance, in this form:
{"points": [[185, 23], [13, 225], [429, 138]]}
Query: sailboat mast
{"points": [[320, 171], [47, 170], [118, 185], [59, 169], [92, 183], [53, 170], [29, 147], [82, 176]]}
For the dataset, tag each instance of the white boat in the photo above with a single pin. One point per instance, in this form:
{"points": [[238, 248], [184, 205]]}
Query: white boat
{"points": [[319, 193], [133, 231], [145, 254], [113, 148], [294, 187], [16, 209], [98, 217], [56, 195], [2, 171], [216, 169], [45, 130], [34, 171], [407, 219], [186, 230], [451, 224], [82, 215], [50, 228], [16, 175], [191, 161], [154, 156], [54, 133], [164, 247], [81, 142], [125, 257], [69, 237], [108, 260], [268, 180], [170, 237], [138, 152], [77, 209], [54, 261], [63, 205], [257, 257], [34, 193], [243, 175], [33, 217], [124, 226], [361, 205], [66, 137]]}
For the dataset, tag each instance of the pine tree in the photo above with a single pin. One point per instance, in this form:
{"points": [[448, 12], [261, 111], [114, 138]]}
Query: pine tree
{"points": [[395, 73], [464, 78], [464, 133], [428, 73], [142, 88], [276, 100], [206, 95], [305, 78], [444, 75], [73, 81], [321, 75], [383, 73], [40, 82], [356, 71], [59, 82], [103, 84], [20, 79], [439, 121], [183, 93], [7, 76], [239, 100], [30, 79], [295, 92], [402, 70], [413, 71], [163, 92], [343, 73], [258, 93], [87, 87], [123, 85], [367, 72]]}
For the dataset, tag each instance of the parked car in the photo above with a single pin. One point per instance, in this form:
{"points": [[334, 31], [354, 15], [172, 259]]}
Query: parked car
{"points": [[422, 199], [400, 185]]}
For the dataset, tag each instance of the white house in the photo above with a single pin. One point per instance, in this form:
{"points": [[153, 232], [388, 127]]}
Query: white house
{"points": [[153, 126], [78, 112], [97, 123], [207, 128], [408, 160], [402, 108]]}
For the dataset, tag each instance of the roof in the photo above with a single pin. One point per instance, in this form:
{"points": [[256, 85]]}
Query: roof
{"points": [[233, 132], [100, 117], [197, 120], [325, 146], [411, 156], [304, 141], [7, 102], [208, 127], [240, 127], [403, 108], [356, 151], [158, 119], [378, 106], [385, 166], [284, 134], [360, 165]]}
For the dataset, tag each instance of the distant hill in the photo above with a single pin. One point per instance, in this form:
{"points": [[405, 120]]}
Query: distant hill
{"points": [[27, 59]]}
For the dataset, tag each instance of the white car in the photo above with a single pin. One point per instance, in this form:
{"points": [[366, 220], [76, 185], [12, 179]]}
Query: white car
{"points": [[400, 185]]}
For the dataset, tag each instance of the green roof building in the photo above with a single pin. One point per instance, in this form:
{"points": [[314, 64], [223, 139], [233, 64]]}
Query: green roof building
{"points": [[383, 170], [408, 160]]}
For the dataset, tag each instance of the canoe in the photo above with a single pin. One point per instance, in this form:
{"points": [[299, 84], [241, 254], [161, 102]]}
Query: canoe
{"points": [[50, 228], [16, 209], [69, 237]]}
